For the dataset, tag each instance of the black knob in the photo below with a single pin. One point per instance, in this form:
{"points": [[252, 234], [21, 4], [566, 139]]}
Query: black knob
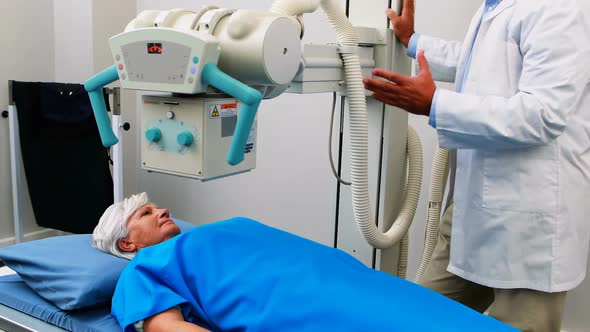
{"points": [[5, 114], [126, 126]]}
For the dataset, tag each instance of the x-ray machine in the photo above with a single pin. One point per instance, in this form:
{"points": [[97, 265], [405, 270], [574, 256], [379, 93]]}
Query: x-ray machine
{"points": [[219, 64]]}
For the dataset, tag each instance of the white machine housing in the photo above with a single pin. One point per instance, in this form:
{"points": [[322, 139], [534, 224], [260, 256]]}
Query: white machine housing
{"points": [[258, 48], [166, 51], [210, 119], [163, 59]]}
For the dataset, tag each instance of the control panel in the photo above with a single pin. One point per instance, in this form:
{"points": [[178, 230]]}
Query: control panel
{"points": [[190, 136], [163, 59]]}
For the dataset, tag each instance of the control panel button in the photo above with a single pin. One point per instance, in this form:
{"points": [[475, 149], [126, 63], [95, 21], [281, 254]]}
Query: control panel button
{"points": [[153, 135], [120, 66], [118, 57], [185, 138], [193, 70], [196, 60], [170, 115], [191, 80]]}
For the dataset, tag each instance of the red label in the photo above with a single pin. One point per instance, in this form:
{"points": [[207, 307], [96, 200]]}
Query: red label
{"points": [[228, 106]]}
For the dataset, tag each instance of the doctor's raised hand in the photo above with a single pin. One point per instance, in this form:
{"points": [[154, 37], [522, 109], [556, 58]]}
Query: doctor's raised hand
{"points": [[403, 25], [413, 94]]}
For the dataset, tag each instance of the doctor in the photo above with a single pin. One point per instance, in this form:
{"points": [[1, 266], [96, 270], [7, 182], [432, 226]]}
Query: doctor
{"points": [[519, 125]]}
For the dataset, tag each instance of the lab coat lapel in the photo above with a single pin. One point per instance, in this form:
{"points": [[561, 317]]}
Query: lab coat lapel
{"points": [[500, 8]]}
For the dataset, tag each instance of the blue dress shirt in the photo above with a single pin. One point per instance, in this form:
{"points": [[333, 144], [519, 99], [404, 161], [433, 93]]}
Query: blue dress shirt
{"points": [[413, 50]]}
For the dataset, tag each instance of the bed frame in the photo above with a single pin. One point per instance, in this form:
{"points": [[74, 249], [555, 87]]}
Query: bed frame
{"points": [[12, 320]]}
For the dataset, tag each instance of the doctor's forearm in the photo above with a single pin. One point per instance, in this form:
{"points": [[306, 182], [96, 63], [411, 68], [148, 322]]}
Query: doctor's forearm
{"points": [[492, 123]]}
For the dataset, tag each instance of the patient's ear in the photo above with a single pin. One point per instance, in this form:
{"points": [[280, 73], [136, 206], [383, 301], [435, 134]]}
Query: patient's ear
{"points": [[126, 245]]}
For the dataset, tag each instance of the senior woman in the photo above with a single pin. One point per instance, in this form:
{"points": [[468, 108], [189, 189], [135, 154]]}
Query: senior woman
{"points": [[145, 224], [241, 275], [127, 227]]}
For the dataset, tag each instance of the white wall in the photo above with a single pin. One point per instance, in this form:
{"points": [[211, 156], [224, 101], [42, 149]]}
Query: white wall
{"points": [[28, 55], [73, 41]]}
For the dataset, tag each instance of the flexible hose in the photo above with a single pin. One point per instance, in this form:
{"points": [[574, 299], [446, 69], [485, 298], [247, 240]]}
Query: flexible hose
{"points": [[439, 174], [294, 8], [402, 265], [359, 129]]}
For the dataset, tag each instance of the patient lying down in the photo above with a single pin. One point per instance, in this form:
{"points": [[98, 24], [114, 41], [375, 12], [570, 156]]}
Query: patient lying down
{"points": [[241, 275]]}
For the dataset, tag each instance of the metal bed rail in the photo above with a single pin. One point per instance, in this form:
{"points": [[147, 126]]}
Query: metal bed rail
{"points": [[12, 320]]}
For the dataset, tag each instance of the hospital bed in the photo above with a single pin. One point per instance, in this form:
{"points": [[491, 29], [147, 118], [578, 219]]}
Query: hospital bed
{"points": [[21, 309], [68, 285]]}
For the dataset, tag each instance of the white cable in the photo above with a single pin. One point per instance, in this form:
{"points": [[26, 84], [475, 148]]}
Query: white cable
{"points": [[294, 7], [439, 174], [402, 265], [358, 120], [334, 171]]}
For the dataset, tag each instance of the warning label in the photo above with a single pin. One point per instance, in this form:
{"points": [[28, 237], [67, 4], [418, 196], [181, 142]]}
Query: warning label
{"points": [[217, 111]]}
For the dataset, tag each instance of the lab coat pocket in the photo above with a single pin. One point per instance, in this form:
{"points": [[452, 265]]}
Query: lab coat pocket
{"points": [[521, 180]]}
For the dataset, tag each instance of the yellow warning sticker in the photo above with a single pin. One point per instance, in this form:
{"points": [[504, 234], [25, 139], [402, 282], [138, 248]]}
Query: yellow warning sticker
{"points": [[217, 111]]}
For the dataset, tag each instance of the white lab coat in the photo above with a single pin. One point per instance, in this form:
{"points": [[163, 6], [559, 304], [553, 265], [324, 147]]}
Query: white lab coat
{"points": [[521, 128]]}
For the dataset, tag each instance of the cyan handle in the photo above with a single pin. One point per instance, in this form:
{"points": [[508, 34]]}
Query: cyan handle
{"points": [[94, 88], [250, 99]]}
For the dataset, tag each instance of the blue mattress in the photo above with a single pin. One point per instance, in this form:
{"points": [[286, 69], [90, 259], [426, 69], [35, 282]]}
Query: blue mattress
{"points": [[14, 293]]}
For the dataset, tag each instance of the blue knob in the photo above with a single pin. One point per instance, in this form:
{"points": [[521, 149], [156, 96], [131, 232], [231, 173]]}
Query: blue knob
{"points": [[153, 135], [185, 138]]}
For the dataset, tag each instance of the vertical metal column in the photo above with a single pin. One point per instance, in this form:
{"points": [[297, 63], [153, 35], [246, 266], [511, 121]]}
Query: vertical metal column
{"points": [[387, 145], [117, 149], [15, 166]]}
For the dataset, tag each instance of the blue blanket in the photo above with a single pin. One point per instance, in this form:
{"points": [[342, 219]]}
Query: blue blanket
{"points": [[240, 275]]}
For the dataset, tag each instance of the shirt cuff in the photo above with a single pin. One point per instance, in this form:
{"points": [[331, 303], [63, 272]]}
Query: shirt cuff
{"points": [[432, 117], [413, 45]]}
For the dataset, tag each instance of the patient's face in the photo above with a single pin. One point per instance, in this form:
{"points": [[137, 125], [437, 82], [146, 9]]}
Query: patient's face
{"points": [[147, 226]]}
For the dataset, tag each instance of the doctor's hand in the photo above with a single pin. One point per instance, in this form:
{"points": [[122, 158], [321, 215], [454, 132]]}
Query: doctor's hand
{"points": [[403, 26], [413, 94]]}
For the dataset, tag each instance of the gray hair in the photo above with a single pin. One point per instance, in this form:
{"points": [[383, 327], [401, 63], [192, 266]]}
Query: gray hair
{"points": [[112, 226]]}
